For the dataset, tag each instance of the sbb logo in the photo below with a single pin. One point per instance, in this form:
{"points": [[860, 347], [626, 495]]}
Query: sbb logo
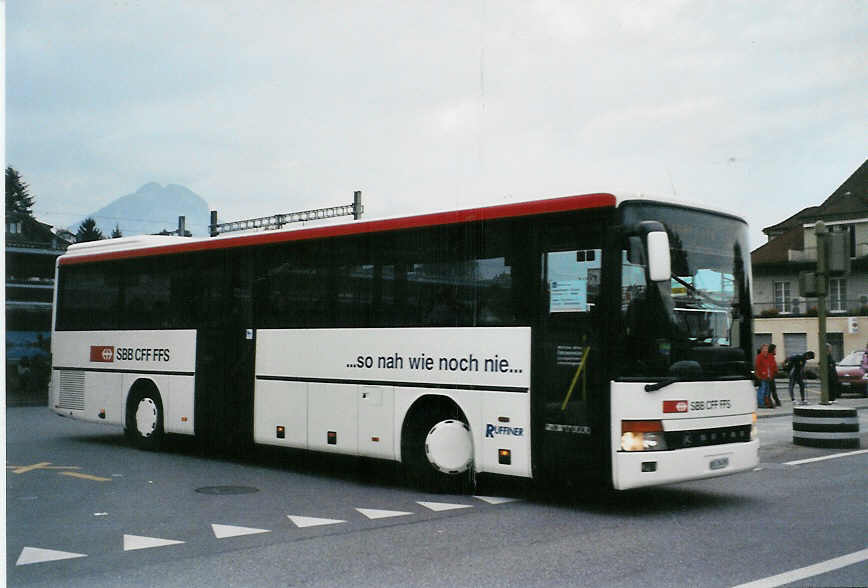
{"points": [[675, 406], [102, 353]]}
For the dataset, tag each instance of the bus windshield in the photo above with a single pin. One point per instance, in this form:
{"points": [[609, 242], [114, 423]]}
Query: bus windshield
{"points": [[696, 326]]}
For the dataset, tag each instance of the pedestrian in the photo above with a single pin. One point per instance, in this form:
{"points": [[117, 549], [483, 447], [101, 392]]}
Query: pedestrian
{"points": [[773, 388], [765, 368], [795, 365], [834, 384]]}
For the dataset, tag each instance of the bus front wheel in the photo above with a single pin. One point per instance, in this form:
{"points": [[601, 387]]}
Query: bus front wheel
{"points": [[438, 451], [145, 420]]}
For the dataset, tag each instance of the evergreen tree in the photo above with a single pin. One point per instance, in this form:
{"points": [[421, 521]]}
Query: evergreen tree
{"points": [[88, 231], [117, 232], [18, 198]]}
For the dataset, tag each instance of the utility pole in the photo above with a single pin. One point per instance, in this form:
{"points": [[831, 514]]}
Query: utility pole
{"points": [[825, 425], [833, 259], [822, 289]]}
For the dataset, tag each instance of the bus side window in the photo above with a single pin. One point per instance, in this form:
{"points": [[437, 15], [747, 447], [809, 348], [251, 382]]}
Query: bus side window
{"points": [[573, 280], [89, 298]]}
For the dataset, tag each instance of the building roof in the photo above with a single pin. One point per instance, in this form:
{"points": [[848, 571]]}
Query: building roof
{"points": [[33, 234], [850, 200], [777, 249]]}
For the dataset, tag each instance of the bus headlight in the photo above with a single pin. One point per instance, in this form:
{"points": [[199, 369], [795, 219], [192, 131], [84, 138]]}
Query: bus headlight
{"points": [[642, 436], [753, 431]]}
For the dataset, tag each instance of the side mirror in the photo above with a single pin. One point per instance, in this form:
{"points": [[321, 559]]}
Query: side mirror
{"points": [[659, 261]]}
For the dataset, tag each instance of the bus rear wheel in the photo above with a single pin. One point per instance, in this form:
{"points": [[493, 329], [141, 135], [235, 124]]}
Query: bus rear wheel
{"points": [[438, 452], [144, 425]]}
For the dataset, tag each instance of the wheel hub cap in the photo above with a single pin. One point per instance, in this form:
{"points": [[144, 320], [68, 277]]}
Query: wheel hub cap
{"points": [[146, 417], [449, 447]]}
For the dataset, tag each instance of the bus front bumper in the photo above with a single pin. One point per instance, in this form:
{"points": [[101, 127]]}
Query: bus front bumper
{"points": [[650, 468]]}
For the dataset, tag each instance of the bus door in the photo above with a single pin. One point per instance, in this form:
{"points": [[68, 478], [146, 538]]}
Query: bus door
{"points": [[225, 345], [568, 371]]}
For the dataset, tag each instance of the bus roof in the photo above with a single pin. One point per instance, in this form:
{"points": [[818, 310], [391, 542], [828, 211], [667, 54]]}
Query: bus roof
{"points": [[148, 245]]}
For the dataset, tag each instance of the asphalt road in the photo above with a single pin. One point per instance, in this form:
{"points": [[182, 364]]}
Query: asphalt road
{"points": [[119, 516]]}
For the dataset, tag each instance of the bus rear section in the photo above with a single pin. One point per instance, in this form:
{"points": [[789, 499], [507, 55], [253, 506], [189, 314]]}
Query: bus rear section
{"points": [[684, 431]]}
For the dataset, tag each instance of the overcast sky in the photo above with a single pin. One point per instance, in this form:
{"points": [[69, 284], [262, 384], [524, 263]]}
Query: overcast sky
{"points": [[264, 107]]}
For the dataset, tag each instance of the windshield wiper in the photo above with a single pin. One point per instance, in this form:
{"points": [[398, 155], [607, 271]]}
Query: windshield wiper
{"points": [[661, 384], [699, 293]]}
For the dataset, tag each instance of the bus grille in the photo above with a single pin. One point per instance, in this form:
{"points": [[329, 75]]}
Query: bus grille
{"points": [[71, 390], [703, 437]]}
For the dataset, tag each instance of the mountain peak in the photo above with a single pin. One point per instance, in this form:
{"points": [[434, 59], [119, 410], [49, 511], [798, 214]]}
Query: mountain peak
{"points": [[151, 209], [149, 187]]}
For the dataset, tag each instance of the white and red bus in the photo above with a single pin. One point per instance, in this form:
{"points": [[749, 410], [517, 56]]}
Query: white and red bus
{"points": [[590, 335]]}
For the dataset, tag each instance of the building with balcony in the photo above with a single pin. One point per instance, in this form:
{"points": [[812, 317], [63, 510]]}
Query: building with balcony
{"points": [[785, 318], [31, 250]]}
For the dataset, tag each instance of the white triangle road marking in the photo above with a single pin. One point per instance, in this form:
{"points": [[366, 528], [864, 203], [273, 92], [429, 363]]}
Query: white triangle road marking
{"points": [[373, 513], [32, 555], [302, 522], [224, 531], [496, 499], [438, 506], [132, 542]]}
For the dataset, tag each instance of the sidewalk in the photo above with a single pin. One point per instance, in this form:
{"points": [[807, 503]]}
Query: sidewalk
{"points": [[812, 396]]}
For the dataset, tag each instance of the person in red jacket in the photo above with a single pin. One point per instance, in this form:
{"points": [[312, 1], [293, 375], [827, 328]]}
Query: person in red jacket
{"points": [[765, 367], [773, 389]]}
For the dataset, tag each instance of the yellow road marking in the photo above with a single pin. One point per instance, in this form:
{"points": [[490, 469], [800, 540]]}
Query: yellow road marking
{"points": [[45, 465], [36, 466], [85, 476]]}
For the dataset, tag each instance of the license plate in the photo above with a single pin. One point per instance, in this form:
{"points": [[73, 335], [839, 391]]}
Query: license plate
{"points": [[718, 463]]}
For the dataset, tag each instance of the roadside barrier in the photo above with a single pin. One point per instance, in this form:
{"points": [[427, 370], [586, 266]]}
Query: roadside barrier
{"points": [[825, 426]]}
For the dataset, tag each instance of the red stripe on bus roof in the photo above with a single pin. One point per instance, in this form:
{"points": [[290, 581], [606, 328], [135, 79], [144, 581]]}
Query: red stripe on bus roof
{"points": [[499, 211]]}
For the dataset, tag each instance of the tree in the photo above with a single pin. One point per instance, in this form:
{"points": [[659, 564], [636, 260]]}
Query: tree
{"points": [[117, 232], [88, 231], [18, 198]]}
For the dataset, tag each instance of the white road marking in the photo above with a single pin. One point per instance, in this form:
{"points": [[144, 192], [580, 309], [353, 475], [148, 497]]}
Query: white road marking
{"points": [[496, 499], [224, 531], [302, 522], [32, 555], [132, 542], [438, 506], [809, 571], [373, 513], [824, 457]]}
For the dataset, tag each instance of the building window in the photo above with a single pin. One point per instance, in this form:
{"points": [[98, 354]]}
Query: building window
{"points": [[795, 344], [837, 295], [13, 228], [760, 339], [783, 302]]}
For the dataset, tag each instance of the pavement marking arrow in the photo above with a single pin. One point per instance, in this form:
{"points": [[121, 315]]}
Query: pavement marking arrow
{"points": [[132, 542], [438, 506], [496, 499], [32, 555], [302, 522], [224, 531], [373, 513]]}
